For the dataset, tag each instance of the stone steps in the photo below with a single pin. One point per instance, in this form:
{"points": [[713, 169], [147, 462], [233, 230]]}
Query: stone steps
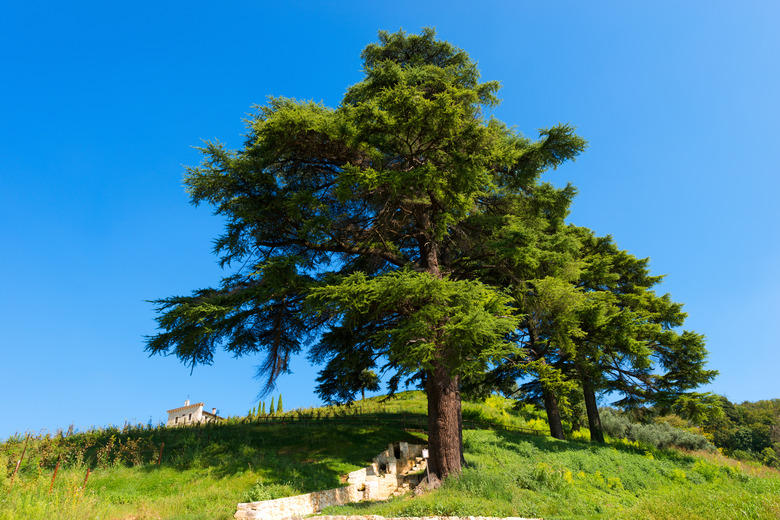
{"points": [[387, 476]]}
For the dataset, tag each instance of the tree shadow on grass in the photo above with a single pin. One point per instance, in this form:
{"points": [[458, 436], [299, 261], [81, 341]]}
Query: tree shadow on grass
{"points": [[309, 458], [551, 445], [510, 439]]}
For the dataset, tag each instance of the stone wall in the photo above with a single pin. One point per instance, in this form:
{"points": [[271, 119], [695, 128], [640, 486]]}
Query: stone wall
{"points": [[387, 475], [297, 506], [389, 471]]}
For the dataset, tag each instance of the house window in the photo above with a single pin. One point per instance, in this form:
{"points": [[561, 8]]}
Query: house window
{"points": [[175, 420], [190, 417]]}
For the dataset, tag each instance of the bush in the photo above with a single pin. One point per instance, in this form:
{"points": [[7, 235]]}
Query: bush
{"points": [[261, 492], [709, 471], [544, 477], [770, 457], [661, 435], [613, 424], [743, 455], [742, 440]]}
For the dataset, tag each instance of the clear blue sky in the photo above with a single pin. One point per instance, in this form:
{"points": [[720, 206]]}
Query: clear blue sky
{"points": [[101, 104]]}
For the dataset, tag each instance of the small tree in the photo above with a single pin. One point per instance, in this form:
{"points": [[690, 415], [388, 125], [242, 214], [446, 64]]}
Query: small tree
{"points": [[368, 381], [271, 411], [279, 406]]}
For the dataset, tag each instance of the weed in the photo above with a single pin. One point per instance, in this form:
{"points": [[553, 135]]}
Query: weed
{"points": [[260, 492]]}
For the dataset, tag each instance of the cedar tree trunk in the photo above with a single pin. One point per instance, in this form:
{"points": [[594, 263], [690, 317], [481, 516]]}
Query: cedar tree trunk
{"points": [[444, 420], [594, 421], [553, 413]]}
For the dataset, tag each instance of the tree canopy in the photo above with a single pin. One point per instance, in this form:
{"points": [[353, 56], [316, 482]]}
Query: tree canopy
{"points": [[406, 230]]}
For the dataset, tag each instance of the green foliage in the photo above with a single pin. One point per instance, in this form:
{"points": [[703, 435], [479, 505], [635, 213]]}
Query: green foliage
{"points": [[397, 178], [260, 492], [206, 471], [770, 457], [271, 410], [743, 455], [659, 435], [409, 231], [542, 476], [698, 407], [510, 474], [424, 309], [363, 232], [4, 479], [591, 323], [279, 405], [747, 431], [707, 470]]}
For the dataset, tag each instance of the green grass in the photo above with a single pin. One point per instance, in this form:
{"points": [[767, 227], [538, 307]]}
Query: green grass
{"points": [[206, 471], [511, 474]]}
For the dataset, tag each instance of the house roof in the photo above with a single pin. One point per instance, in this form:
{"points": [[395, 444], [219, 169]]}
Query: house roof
{"points": [[185, 407]]}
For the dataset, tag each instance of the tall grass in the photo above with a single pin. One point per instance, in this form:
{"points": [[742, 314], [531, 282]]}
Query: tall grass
{"points": [[205, 471], [511, 474]]}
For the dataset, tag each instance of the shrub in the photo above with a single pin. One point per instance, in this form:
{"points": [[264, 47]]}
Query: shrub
{"points": [[660, 435], [544, 477], [709, 471], [742, 440], [770, 457], [743, 455], [261, 492], [677, 475], [613, 424]]}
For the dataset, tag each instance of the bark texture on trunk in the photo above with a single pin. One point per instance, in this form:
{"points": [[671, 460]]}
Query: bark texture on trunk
{"points": [[553, 414], [445, 441], [444, 420], [594, 420], [550, 400]]}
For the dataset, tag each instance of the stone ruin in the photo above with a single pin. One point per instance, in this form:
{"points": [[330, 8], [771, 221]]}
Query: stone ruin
{"points": [[393, 472], [398, 469]]}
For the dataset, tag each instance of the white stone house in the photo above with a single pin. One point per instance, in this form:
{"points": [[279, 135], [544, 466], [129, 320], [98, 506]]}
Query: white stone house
{"points": [[191, 414]]}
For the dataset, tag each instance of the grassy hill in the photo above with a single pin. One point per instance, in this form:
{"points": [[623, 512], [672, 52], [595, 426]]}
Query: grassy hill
{"points": [[205, 471]]}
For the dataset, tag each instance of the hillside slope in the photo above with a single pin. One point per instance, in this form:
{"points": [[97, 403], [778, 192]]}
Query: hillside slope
{"points": [[204, 472]]}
